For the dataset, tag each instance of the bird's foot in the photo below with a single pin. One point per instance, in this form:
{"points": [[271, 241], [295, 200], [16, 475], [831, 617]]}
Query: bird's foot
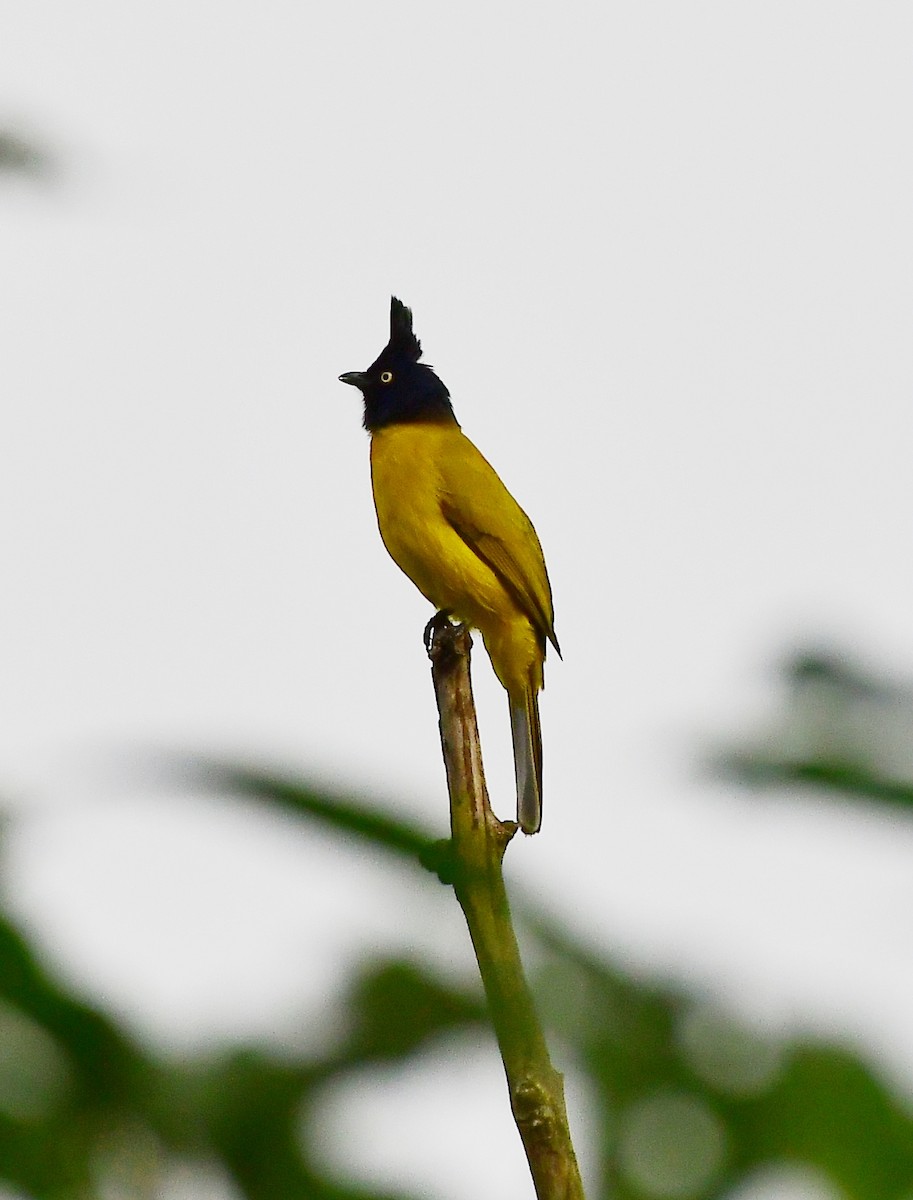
{"points": [[439, 621]]}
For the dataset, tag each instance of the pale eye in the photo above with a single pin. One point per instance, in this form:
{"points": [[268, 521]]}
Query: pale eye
{"points": [[386, 376]]}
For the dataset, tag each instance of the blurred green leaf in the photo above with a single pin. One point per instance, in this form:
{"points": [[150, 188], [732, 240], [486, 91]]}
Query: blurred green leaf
{"points": [[841, 729], [22, 156], [397, 1007], [336, 811], [691, 1104], [829, 1110], [104, 1079], [827, 776]]}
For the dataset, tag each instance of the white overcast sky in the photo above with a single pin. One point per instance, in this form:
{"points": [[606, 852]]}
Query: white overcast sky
{"points": [[662, 254]]}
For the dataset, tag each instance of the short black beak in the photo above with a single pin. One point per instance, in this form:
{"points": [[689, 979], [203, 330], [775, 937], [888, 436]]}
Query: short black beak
{"points": [[357, 379]]}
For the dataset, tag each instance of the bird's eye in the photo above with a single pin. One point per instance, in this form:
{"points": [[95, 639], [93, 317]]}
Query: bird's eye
{"points": [[386, 376]]}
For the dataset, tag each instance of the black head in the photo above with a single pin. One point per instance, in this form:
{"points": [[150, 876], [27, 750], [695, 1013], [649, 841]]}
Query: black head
{"points": [[397, 388]]}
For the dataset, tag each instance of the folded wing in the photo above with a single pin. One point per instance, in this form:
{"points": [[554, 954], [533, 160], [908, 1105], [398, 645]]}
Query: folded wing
{"points": [[481, 510]]}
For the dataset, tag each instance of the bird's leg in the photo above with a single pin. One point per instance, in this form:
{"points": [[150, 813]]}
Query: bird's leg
{"points": [[439, 619]]}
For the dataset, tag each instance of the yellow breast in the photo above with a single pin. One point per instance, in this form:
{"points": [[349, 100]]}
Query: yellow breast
{"points": [[409, 466]]}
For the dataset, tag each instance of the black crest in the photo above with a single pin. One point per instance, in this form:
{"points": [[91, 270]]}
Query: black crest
{"points": [[397, 388], [402, 339]]}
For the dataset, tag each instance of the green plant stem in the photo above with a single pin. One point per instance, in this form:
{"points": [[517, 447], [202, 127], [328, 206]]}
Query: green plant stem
{"points": [[478, 842]]}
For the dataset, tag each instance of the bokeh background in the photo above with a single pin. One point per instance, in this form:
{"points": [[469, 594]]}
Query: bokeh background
{"points": [[662, 256]]}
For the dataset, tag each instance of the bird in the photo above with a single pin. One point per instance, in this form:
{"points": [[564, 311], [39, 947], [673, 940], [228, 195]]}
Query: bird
{"points": [[450, 524]]}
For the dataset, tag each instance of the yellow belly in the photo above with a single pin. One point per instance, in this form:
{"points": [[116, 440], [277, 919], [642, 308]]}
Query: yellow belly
{"points": [[406, 477]]}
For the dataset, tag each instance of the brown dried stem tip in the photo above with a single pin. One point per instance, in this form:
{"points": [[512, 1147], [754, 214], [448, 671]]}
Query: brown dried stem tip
{"points": [[478, 842]]}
